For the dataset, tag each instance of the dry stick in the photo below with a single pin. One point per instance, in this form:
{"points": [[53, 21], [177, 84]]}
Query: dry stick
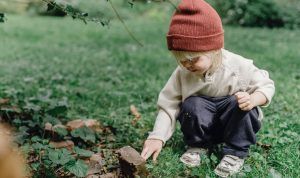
{"points": [[135, 113], [122, 21], [63, 10]]}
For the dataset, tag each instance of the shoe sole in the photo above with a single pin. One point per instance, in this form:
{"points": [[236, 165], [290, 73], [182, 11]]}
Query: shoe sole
{"points": [[189, 164]]}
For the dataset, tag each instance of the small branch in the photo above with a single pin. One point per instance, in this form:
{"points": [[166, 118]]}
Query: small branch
{"points": [[122, 21], [70, 11]]}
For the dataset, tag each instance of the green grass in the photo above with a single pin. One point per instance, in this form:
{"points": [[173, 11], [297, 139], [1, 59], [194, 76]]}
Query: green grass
{"points": [[102, 71]]}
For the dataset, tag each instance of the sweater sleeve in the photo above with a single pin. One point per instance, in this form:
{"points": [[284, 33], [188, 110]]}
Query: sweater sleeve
{"points": [[260, 82], [168, 107]]}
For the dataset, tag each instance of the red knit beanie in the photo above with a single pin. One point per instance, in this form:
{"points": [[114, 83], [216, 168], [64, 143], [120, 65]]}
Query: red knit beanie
{"points": [[195, 26]]}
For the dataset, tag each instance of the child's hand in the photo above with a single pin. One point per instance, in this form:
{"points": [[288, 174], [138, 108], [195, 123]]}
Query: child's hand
{"points": [[244, 100], [152, 146]]}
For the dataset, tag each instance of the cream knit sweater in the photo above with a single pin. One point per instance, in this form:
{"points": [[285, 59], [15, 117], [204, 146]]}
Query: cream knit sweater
{"points": [[235, 74]]}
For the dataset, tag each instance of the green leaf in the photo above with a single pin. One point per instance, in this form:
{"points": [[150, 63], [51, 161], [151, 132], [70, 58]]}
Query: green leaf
{"points": [[60, 156], [84, 14], [58, 110], [83, 152], [78, 168], [247, 168], [85, 134], [2, 18], [35, 166], [17, 122], [51, 6], [36, 139], [23, 129], [70, 9], [61, 131], [213, 158], [37, 146], [52, 120], [22, 135]]}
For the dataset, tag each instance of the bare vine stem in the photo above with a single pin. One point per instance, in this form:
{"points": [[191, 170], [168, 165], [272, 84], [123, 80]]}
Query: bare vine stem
{"points": [[122, 21]]}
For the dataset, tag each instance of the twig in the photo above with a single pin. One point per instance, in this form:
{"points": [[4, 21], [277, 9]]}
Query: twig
{"points": [[122, 21]]}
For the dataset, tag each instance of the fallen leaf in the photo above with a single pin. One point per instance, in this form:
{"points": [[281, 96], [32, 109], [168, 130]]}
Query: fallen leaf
{"points": [[75, 124], [79, 123], [63, 144], [108, 175], [4, 101], [135, 113]]}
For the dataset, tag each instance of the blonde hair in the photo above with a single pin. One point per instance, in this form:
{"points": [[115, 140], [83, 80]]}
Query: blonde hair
{"points": [[214, 55]]}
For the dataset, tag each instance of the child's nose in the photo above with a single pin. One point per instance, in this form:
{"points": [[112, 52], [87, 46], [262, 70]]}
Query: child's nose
{"points": [[188, 64]]}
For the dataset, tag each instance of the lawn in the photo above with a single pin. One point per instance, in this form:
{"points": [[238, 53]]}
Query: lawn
{"points": [[101, 71]]}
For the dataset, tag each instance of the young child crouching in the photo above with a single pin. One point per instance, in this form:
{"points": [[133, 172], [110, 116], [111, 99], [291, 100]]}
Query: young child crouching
{"points": [[213, 93]]}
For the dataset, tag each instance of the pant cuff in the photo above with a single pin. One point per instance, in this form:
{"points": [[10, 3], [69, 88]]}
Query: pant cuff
{"points": [[238, 153]]}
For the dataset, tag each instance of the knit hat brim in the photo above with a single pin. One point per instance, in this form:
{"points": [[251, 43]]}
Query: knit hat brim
{"points": [[198, 44]]}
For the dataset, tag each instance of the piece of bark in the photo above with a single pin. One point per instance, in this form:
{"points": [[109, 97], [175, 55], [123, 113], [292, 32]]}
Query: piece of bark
{"points": [[131, 163], [68, 144]]}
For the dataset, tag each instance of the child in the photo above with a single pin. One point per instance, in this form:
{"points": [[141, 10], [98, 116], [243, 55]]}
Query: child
{"points": [[213, 93]]}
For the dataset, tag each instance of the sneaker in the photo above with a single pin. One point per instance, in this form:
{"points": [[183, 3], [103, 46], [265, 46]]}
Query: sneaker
{"points": [[229, 165], [192, 157]]}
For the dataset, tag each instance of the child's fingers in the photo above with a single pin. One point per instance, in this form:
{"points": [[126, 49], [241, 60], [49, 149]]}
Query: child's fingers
{"points": [[247, 108], [144, 152], [243, 100], [245, 104], [239, 95], [155, 155], [147, 154]]}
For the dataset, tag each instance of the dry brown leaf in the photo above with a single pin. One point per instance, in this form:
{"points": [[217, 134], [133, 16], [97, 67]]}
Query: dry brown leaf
{"points": [[95, 164], [48, 126], [75, 124], [109, 175], [135, 113], [68, 144], [79, 123], [4, 101]]}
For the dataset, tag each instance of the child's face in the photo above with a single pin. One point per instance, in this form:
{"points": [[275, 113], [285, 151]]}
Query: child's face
{"points": [[198, 64]]}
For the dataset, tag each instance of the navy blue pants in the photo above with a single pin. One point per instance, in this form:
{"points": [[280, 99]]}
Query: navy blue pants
{"points": [[207, 121]]}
